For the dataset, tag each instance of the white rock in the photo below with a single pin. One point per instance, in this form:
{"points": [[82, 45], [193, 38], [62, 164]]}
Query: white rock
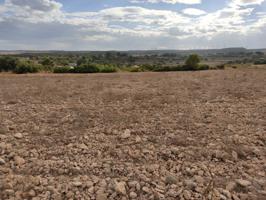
{"points": [[126, 134], [133, 195], [77, 184], [243, 183], [19, 161], [2, 161], [18, 135], [120, 188]]}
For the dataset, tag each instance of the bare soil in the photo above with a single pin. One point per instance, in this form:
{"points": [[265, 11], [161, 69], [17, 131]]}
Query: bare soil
{"points": [[184, 135]]}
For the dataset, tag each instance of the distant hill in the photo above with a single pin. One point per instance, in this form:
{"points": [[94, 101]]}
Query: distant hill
{"points": [[142, 52]]}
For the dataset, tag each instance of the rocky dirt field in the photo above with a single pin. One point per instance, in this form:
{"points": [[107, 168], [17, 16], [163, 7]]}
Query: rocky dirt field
{"points": [[185, 135]]}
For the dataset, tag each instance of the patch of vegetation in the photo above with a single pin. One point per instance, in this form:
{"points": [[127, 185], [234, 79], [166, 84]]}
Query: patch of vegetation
{"points": [[7, 63], [65, 69], [222, 66], [108, 69], [87, 68], [260, 62], [192, 62], [24, 67]]}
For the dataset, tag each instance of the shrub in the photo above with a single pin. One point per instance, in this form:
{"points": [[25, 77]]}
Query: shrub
{"points": [[7, 63], [47, 62], [26, 67], [136, 69], [108, 69], [260, 62], [87, 68], [65, 69], [192, 62], [203, 67], [222, 66]]}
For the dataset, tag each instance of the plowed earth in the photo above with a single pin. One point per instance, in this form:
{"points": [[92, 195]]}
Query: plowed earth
{"points": [[185, 135]]}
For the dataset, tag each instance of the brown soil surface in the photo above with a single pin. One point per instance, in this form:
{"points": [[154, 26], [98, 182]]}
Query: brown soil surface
{"points": [[185, 135]]}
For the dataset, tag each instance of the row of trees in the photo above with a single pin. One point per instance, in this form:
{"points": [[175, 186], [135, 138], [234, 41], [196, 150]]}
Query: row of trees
{"points": [[85, 65]]}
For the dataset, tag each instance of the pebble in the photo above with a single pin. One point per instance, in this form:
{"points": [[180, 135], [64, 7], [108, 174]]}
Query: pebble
{"points": [[170, 179], [230, 186], [126, 134], [18, 135], [19, 161], [120, 188], [243, 183], [101, 196], [187, 195], [2, 161], [190, 184], [77, 184], [133, 195]]}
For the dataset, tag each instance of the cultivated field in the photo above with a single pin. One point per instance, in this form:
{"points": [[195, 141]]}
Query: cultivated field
{"points": [[184, 135]]}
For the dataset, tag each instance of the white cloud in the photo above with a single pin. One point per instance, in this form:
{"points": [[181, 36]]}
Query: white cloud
{"points": [[193, 11], [167, 1], [41, 5], [43, 24], [247, 2]]}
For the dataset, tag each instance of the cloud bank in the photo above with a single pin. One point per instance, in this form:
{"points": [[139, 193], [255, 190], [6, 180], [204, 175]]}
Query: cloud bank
{"points": [[43, 24]]}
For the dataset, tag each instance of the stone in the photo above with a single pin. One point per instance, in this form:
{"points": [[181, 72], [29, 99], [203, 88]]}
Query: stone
{"points": [[2, 161], [243, 183], [126, 134], [19, 161], [190, 184], [226, 193], [101, 196], [77, 184], [234, 197], [32, 193], [187, 195], [138, 139], [199, 179], [235, 155], [230, 186], [133, 195], [83, 146], [146, 190], [18, 135], [170, 179], [120, 188]]}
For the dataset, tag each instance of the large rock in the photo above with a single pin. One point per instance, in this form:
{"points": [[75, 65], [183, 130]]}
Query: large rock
{"points": [[120, 188], [243, 183]]}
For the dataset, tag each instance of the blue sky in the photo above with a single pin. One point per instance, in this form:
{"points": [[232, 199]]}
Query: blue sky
{"points": [[92, 5], [131, 24]]}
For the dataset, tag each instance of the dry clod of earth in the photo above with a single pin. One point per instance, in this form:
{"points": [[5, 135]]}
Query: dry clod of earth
{"points": [[144, 136]]}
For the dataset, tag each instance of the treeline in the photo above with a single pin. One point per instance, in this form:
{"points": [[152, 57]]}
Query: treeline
{"points": [[84, 65]]}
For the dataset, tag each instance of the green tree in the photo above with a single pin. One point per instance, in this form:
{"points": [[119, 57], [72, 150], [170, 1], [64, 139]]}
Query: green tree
{"points": [[7, 63], [47, 62], [193, 61]]}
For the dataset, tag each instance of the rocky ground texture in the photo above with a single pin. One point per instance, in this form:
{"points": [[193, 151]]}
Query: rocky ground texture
{"points": [[143, 136]]}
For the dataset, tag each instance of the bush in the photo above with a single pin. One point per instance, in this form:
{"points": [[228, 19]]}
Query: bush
{"points": [[65, 69], [192, 62], [108, 69], [87, 68], [220, 66], [26, 67], [260, 62], [7, 63], [203, 67], [136, 69]]}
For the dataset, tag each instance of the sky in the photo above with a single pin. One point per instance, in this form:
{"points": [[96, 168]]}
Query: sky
{"points": [[131, 24]]}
